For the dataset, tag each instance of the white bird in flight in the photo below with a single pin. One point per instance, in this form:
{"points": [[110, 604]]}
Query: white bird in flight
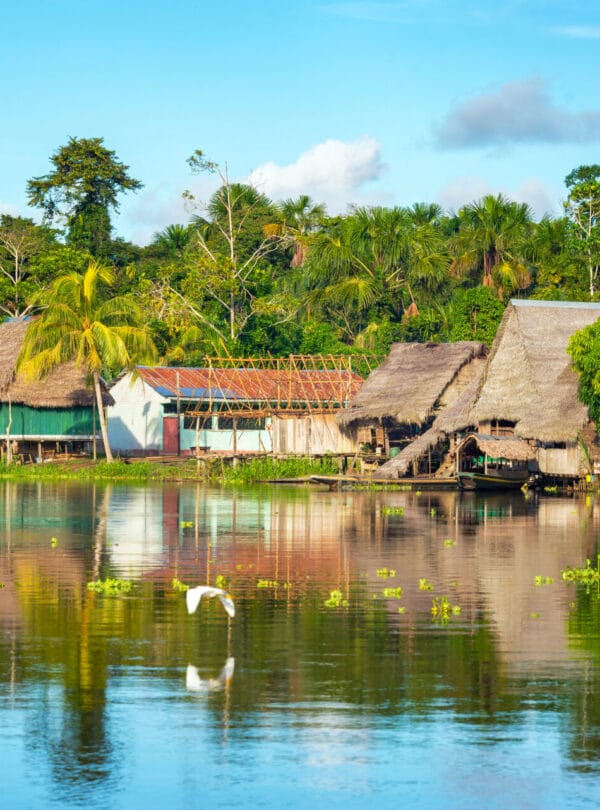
{"points": [[194, 595]]}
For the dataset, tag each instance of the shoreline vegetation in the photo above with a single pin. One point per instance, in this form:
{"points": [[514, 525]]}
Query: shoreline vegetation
{"points": [[209, 470]]}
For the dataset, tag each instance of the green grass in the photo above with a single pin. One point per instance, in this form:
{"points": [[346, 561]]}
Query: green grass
{"points": [[247, 471], [265, 469]]}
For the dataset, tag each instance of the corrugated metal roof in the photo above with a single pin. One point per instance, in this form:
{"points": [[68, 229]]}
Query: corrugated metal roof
{"points": [[250, 384]]}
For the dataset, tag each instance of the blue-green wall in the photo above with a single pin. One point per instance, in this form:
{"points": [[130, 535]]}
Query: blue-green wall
{"points": [[26, 421]]}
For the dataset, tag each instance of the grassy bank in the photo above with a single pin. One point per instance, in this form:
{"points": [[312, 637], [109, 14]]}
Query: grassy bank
{"points": [[214, 470]]}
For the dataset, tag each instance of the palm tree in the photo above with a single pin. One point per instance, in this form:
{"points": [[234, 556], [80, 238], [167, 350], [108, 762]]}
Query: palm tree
{"points": [[81, 323], [492, 237], [369, 260]]}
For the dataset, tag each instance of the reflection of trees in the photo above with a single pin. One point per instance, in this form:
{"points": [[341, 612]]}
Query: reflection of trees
{"points": [[289, 650]]}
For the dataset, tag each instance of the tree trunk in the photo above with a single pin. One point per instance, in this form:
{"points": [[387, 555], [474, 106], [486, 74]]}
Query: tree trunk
{"points": [[102, 417]]}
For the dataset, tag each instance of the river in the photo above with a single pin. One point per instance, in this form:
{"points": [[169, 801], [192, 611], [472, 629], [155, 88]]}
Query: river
{"points": [[388, 646]]}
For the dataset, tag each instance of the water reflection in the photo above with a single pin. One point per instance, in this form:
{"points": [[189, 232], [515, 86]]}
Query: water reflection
{"points": [[92, 686], [194, 683]]}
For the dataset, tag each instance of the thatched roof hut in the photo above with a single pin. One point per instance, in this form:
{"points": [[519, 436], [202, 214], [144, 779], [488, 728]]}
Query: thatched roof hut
{"points": [[65, 387], [528, 379], [454, 418], [414, 383]]}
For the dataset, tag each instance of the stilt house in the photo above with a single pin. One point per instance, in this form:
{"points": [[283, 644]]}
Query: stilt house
{"points": [[529, 389], [400, 408], [42, 418]]}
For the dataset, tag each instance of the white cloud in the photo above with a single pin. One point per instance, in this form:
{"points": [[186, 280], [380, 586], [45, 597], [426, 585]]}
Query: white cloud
{"points": [[518, 112], [579, 31], [464, 190], [157, 207], [333, 172]]}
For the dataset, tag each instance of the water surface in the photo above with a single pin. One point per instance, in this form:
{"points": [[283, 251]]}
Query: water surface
{"points": [[126, 701]]}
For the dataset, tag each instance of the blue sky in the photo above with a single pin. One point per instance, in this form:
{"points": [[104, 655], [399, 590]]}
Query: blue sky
{"points": [[351, 102]]}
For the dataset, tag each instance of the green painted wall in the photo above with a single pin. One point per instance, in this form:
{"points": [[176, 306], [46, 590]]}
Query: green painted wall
{"points": [[76, 421]]}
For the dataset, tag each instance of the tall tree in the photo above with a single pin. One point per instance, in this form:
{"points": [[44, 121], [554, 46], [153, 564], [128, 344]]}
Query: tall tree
{"points": [[228, 267], [82, 189], [583, 209], [82, 323], [492, 241]]}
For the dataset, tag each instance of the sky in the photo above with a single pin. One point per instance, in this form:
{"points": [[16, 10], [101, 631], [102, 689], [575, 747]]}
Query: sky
{"points": [[352, 103]]}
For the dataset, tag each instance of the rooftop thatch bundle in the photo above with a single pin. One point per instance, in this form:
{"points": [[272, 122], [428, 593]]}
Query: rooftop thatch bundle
{"points": [[410, 384], [509, 447], [64, 387], [456, 417], [528, 379]]}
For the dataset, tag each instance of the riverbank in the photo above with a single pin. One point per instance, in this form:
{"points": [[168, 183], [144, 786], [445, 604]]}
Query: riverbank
{"points": [[214, 470]]}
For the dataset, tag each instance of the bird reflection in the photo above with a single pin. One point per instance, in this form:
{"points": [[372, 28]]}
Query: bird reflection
{"points": [[194, 683]]}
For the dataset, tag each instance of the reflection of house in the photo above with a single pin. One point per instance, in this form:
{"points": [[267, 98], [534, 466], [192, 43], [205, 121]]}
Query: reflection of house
{"points": [[284, 409], [55, 413], [420, 386], [529, 389]]}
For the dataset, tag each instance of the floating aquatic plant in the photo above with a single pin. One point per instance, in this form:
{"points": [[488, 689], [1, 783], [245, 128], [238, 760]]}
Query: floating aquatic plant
{"points": [[267, 583], [179, 586], [442, 609], [385, 573], [587, 576], [53, 542], [110, 587], [336, 599], [222, 581], [540, 580], [392, 510], [449, 542], [187, 524], [425, 585], [392, 593]]}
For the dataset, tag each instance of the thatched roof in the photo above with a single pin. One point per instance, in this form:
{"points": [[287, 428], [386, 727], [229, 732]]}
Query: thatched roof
{"points": [[409, 385], [528, 378], [455, 417], [509, 447], [62, 388]]}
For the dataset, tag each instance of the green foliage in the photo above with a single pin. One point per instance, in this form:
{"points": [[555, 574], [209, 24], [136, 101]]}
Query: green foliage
{"points": [[477, 315], [584, 350], [392, 593], [82, 187], [583, 210], [265, 469], [384, 573]]}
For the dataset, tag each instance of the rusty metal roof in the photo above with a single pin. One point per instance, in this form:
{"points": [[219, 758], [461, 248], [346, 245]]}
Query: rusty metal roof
{"points": [[283, 386]]}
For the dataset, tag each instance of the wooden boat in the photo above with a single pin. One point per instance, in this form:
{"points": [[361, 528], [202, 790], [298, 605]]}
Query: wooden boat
{"points": [[492, 479], [493, 462]]}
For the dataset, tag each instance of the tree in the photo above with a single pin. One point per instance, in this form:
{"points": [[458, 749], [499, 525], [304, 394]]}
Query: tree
{"points": [[369, 265], [81, 323], [229, 267], [583, 209], [584, 350], [82, 189], [492, 239], [21, 240]]}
